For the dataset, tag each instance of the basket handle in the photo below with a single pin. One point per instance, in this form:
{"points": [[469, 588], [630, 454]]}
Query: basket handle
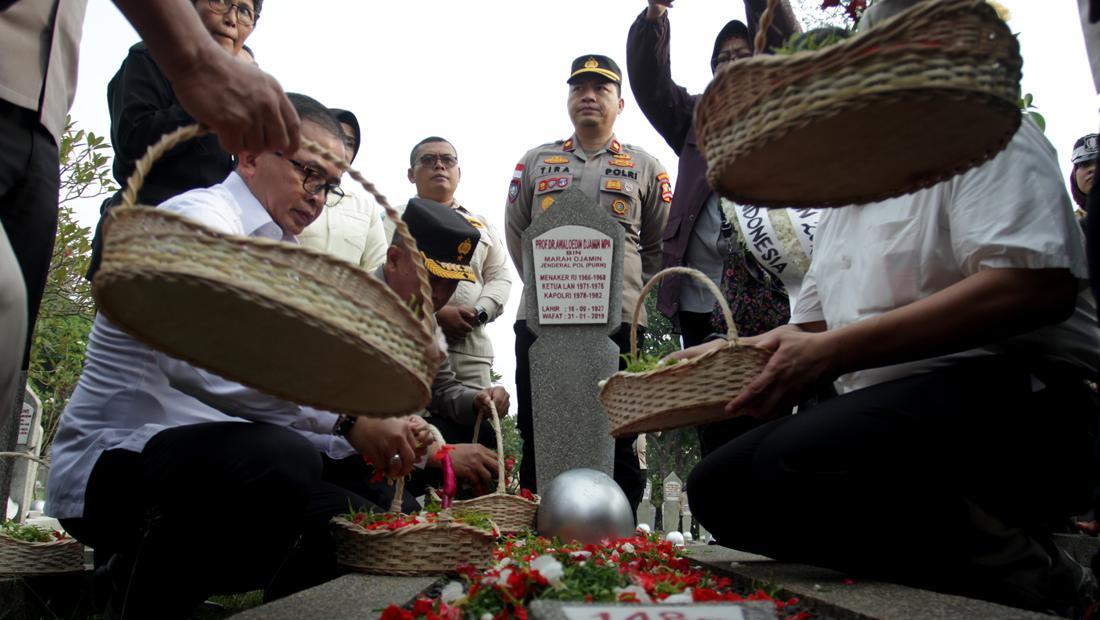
{"points": [[399, 489], [500, 442], [731, 329], [765, 24], [183, 134]]}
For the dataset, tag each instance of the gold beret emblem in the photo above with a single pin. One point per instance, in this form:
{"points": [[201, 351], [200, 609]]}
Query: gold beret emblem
{"points": [[464, 248], [591, 63]]}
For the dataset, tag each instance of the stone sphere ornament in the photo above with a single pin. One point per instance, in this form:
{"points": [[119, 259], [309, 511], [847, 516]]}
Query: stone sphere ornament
{"points": [[643, 528], [585, 505], [675, 538]]}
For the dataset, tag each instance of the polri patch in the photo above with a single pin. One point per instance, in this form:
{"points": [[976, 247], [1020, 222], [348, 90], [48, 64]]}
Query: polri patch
{"points": [[513, 190]]}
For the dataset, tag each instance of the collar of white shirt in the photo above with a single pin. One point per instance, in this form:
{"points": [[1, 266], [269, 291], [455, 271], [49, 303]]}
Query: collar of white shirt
{"points": [[255, 220]]}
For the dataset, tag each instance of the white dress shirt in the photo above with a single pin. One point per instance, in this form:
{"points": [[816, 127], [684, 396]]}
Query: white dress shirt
{"points": [[1011, 212], [128, 392], [352, 230]]}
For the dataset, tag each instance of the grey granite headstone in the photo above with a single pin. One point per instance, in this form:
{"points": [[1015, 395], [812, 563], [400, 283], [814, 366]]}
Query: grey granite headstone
{"points": [[28, 441], [670, 509], [685, 513], [646, 513], [573, 255]]}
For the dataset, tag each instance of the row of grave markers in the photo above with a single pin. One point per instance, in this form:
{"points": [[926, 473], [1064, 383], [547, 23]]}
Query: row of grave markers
{"points": [[675, 505]]}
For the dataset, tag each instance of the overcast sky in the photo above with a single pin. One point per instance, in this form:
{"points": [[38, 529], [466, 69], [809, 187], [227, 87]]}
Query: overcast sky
{"points": [[490, 77]]}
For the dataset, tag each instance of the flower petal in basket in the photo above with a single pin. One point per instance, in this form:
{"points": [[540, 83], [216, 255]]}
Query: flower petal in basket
{"points": [[511, 513], [907, 104], [284, 319], [39, 558], [275, 316], [685, 394], [425, 549]]}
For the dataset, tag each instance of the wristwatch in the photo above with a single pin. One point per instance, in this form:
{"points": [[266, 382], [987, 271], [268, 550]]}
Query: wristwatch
{"points": [[343, 425], [482, 315]]}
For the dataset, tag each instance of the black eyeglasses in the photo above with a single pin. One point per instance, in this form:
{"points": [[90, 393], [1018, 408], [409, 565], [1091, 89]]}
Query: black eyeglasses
{"points": [[314, 182], [245, 15], [429, 160]]}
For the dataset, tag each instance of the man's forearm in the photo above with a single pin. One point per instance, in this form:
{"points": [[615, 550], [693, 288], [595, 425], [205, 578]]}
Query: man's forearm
{"points": [[984, 308], [172, 31]]}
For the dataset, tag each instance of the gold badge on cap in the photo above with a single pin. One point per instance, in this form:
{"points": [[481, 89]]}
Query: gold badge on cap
{"points": [[591, 63], [464, 248]]}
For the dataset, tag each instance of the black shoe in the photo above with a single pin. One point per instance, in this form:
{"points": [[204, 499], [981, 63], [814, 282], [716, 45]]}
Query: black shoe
{"points": [[1074, 589]]}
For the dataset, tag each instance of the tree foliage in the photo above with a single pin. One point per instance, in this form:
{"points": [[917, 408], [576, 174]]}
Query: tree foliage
{"points": [[67, 310]]}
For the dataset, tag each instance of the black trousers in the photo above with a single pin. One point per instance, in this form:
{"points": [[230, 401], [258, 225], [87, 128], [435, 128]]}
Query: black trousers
{"points": [[694, 328], [628, 474], [213, 508], [28, 201], [945, 480]]}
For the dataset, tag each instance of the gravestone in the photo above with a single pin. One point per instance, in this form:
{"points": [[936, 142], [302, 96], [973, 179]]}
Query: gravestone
{"points": [[685, 515], [646, 513], [670, 509], [28, 441], [573, 275]]}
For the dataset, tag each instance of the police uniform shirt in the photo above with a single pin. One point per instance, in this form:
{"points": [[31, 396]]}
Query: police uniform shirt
{"points": [[624, 180]]}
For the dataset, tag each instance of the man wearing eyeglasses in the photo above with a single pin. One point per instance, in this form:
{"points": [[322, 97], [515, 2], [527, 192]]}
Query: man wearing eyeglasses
{"points": [[149, 446], [351, 226], [434, 169]]}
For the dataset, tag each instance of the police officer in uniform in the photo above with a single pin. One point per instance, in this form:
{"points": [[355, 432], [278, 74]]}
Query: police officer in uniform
{"points": [[631, 185]]}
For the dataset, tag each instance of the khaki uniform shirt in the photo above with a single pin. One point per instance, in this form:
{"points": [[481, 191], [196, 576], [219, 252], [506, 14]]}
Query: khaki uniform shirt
{"points": [[630, 184], [39, 45], [351, 230], [473, 357]]}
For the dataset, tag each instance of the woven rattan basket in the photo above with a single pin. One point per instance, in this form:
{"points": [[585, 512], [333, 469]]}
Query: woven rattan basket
{"points": [[424, 549], [511, 513], [281, 318], [18, 557], [911, 102], [684, 394]]}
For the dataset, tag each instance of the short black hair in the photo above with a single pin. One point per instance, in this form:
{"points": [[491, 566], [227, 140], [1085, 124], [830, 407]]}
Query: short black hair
{"points": [[309, 109], [428, 140]]}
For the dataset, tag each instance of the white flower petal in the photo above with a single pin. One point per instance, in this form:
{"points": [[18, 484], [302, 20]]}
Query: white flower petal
{"points": [[452, 592], [549, 567], [683, 597]]}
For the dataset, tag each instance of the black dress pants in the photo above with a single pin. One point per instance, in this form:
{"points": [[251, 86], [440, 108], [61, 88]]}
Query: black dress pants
{"points": [[945, 480], [628, 474], [212, 508], [28, 201]]}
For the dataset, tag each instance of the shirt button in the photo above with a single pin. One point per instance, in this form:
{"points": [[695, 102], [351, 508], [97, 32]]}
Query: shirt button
{"points": [[845, 262], [691, 218]]}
